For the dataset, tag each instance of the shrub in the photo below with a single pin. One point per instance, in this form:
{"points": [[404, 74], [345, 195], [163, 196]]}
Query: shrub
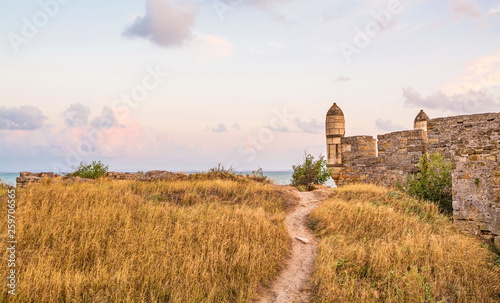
{"points": [[93, 170], [222, 170], [258, 175], [309, 173], [432, 182]]}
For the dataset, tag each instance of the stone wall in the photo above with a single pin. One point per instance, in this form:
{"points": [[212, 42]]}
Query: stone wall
{"points": [[26, 178], [358, 147], [398, 154], [470, 142]]}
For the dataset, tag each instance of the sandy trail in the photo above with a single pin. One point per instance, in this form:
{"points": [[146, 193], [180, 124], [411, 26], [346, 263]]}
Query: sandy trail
{"points": [[293, 285]]}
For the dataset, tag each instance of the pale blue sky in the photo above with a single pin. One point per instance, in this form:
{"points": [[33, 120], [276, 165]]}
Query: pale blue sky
{"points": [[228, 77]]}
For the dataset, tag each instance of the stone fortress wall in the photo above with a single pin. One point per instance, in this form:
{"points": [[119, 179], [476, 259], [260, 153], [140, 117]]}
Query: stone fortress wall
{"points": [[470, 142]]}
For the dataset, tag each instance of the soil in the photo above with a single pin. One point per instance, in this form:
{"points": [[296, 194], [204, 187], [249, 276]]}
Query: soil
{"points": [[293, 283]]}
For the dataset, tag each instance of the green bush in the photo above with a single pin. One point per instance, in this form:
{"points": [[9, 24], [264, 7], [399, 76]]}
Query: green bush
{"points": [[432, 182], [311, 172], [93, 170]]}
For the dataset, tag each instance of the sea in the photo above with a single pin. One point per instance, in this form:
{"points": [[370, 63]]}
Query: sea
{"points": [[285, 177], [9, 178], [279, 177]]}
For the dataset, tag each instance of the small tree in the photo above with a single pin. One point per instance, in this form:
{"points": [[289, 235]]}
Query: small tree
{"points": [[93, 170], [309, 173], [432, 182]]}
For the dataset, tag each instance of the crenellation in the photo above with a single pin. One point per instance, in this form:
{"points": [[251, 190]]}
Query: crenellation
{"points": [[471, 143]]}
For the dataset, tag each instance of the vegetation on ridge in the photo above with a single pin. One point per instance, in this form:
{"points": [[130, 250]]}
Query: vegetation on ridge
{"points": [[94, 170], [311, 172], [432, 182]]}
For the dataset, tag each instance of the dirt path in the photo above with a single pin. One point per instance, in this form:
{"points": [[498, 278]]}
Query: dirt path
{"points": [[293, 285]]}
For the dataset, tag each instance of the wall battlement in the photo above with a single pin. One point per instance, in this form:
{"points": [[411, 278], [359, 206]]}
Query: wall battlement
{"points": [[470, 142]]}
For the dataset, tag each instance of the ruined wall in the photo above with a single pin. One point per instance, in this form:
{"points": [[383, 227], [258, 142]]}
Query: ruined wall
{"points": [[358, 147], [26, 178], [470, 142], [398, 154]]}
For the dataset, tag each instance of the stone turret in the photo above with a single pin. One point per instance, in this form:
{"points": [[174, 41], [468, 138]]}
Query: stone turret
{"points": [[335, 130], [421, 121]]}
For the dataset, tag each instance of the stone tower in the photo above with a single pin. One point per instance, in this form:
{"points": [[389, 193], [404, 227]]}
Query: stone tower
{"points": [[421, 121], [335, 130]]}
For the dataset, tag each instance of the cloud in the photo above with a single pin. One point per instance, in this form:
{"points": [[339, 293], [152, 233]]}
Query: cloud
{"points": [[106, 120], [388, 125], [472, 101], [494, 12], [275, 44], [481, 73], [207, 47], [342, 79], [76, 115], [312, 126], [256, 51], [21, 118], [265, 4], [165, 23], [466, 8], [218, 129], [296, 125]]}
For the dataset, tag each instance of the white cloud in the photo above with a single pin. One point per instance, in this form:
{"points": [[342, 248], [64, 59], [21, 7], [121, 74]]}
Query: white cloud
{"points": [[312, 126], [466, 8], [205, 48], [218, 129], [256, 51], [388, 125], [482, 73], [342, 79], [494, 12], [275, 44]]}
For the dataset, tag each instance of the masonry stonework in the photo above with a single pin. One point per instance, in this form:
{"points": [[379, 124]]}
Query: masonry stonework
{"points": [[470, 142]]}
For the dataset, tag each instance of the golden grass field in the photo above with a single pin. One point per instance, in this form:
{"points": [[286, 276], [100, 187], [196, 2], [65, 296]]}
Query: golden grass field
{"points": [[212, 240], [382, 246], [132, 241]]}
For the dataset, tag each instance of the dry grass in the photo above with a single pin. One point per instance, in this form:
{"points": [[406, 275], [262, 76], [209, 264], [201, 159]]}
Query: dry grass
{"points": [[131, 241], [382, 246]]}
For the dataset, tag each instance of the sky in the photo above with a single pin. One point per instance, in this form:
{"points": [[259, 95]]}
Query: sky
{"points": [[183, 85]]}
